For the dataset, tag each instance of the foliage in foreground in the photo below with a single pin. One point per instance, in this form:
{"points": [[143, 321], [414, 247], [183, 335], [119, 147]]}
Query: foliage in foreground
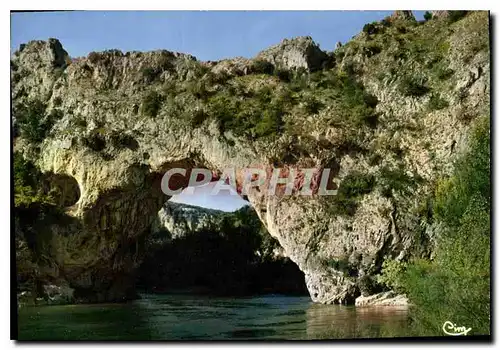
{"points": [[455, 285]]}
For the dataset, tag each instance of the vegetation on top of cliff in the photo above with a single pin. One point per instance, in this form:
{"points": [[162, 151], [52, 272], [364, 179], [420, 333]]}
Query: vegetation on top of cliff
{"points": [[455, 284], [257, 113], [456, 15], [253, 105], [427, 16], [266, 101], [416, 56]]}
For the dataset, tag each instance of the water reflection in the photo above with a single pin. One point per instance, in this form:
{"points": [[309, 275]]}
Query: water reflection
{"points": [[336, 321], [178, 317], [84, 322]]}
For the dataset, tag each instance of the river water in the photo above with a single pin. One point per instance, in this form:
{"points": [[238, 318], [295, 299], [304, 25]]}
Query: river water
{"points": [[188, 317]]}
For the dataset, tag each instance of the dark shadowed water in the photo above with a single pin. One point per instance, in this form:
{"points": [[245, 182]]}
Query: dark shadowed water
{"points": [[188, 317]]}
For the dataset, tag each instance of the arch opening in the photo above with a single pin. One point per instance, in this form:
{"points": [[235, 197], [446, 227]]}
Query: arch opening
{"points": [[202, 242], [207, 196]]}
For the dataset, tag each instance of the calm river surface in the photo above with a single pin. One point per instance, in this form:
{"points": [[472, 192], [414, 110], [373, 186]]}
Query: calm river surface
{"points": [[188, 317]]}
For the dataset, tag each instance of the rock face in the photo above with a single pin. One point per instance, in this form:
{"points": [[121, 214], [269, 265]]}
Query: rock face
{"points": [[181, 219], [403, 15], [115, 123], [301, 52], [178, 220], [440, 13], [52, 295], [389, 298]]}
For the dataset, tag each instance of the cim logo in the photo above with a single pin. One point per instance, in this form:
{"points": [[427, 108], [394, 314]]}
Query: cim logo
{"points": [[452, 329]]}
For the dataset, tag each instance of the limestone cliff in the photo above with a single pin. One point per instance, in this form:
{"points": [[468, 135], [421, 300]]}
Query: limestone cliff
{"points": [[388, 112], [179, 220]]}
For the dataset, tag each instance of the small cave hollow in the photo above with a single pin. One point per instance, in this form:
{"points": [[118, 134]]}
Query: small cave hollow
{"points": [[64, 189]]}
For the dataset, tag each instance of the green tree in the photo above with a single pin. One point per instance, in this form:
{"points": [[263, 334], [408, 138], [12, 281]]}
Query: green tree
{"points": [[152, 103], [34, 123], [455, 285]]}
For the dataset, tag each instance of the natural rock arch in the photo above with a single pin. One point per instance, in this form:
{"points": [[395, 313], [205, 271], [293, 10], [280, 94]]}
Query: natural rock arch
{"points": [[116, 216], [121, 185], [117, 153]]}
